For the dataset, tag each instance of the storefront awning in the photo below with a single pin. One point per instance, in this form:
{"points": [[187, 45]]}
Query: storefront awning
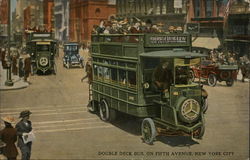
{"points": [[206, 42]]}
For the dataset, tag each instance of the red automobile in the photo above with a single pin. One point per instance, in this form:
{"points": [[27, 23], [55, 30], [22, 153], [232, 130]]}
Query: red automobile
{"points": [[213, 72]]}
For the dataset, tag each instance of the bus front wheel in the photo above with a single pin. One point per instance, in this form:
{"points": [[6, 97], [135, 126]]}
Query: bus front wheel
{"points": [[148, 130]]}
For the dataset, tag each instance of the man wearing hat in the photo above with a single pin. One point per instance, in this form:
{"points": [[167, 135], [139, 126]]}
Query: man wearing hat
{"points": [[9, 137], [24, 126]]}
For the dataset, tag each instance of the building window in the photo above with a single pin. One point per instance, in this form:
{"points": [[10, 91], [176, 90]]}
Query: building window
{"points": [[197, 5], [209, 8], [97, 12]]}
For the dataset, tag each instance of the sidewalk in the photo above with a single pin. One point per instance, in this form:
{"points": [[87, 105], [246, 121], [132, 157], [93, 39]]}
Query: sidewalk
{"points": [[18, 83]]}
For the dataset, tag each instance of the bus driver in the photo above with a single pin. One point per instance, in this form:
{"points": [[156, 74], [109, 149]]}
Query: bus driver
{"points": [[162, 77]]}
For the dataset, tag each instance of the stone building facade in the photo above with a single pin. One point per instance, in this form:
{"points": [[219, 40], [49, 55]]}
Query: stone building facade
{"points": [[61, 13], [3, 18], [48, 11], [85, 14], [237, 28], [209, 17]]}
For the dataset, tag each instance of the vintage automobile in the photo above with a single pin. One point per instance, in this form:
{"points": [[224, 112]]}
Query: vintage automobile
{"points": [[213, 72], [71, 56], [42, 49], [130, 76]]}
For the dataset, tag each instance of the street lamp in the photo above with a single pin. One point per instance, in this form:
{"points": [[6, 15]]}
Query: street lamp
{"points": [[9, 82]]}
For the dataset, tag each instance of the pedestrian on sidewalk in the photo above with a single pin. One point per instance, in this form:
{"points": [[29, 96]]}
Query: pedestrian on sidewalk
{"points": [[9, 137], [20, 67], [3, 59], [14, 65], [24, 126], [27, 67]]}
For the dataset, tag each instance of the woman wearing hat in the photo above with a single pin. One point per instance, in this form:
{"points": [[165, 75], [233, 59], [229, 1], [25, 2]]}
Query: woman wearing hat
{"points": [[24, 126], [9, 137]]}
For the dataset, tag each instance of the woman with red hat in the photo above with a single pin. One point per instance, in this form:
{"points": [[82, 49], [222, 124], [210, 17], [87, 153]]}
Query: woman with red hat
{"points": [[9, 137]]}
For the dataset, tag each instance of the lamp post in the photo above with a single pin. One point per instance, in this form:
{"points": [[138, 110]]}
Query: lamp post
{"points": [[9, 82]]}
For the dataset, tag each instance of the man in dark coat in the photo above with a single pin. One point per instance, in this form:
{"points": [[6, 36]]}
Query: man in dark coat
{"points": [[88, 70], [24, 126], [162, 77], [9, 137], [27, 67]]}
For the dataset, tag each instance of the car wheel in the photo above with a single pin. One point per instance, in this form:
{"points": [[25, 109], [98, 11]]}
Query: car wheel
{"points": [[54, 69], [212, 80], [67, 65], [230, 82], [148, 130]]}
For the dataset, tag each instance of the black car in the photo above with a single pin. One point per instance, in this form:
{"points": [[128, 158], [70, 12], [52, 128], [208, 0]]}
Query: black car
{"points": [[71, 56]]}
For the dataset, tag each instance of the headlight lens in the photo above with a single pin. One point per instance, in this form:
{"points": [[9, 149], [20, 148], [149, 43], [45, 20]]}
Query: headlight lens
{"points": [[43, 61], [190, 110], [146, 85]]}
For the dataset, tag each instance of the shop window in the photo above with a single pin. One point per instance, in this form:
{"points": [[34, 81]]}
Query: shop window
{"points": [[97, 12], [209, 8], [197, 6]]}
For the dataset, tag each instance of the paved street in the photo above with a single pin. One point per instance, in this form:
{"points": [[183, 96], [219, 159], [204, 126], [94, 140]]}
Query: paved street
{"points": [[66, 130]]}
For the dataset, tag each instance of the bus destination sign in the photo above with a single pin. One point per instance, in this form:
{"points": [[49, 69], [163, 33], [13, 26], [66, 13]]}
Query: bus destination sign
{"points": [[167, 39]]}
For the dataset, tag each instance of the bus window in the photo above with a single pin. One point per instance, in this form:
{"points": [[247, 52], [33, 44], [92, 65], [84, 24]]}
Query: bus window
{"points": [[122, 77], [100, 72], [95, 71], [114, 75], [131, 79], [106, 71], [123, 64], [182, 75]]}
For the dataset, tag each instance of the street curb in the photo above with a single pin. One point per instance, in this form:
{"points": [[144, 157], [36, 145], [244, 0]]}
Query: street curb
{"points": [[6, 88]]}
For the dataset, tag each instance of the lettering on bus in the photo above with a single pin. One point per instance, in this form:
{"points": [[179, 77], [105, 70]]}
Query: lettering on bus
{"points": [[167, 39]]}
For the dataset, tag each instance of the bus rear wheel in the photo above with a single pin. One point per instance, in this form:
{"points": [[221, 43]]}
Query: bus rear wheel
{"points": [[106, 113], [148, 130]]}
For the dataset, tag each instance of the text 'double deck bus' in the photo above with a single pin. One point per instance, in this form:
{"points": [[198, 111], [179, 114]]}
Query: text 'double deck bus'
{"points": [[147, 76]]}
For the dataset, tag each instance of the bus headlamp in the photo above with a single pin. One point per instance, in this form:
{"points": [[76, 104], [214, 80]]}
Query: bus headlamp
{"points": [[146, 85], [51, 53]]}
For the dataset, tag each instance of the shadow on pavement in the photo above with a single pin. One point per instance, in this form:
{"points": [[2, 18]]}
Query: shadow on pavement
{"points": [[128, 123], [132, 125], [177, 141]]}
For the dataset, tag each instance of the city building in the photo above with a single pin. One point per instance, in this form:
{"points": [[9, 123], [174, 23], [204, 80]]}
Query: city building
{"points": [[48, 11], [237, 28], [85, 14], [20, 6], [3, 20], [33, 14], [166, 12], [61, 16], [208, 17]]}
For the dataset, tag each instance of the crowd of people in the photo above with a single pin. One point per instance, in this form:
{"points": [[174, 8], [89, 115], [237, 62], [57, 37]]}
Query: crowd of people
{"points": [[132, 25], [20, 63], [231, 58], [9, 135]]}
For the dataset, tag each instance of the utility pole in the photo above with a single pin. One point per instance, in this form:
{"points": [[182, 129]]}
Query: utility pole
{"points": [[9, 82]]}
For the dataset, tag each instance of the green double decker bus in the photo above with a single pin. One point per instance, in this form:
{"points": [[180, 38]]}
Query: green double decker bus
{"points": [[147, 76]]}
